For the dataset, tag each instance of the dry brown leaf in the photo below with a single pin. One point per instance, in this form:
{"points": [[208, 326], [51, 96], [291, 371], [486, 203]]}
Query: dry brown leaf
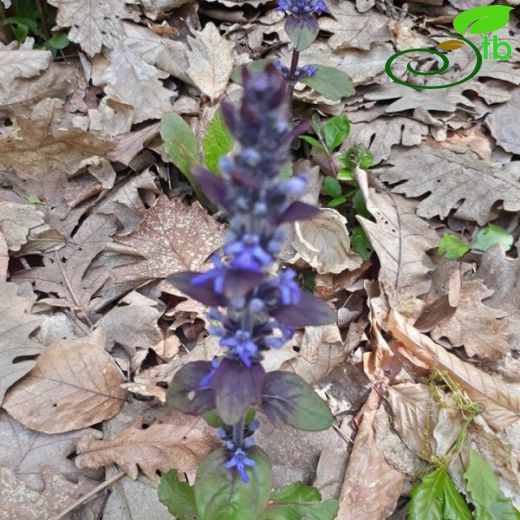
{"points": [[4, 258], [129, 145], [446, 178], [372, 486], [36, 145], [27, 452], [20, 502], [172, 237], [503, 123], [16, 220], [324, 243], [16, 326], [351, 29], [175, 441], [321, 349], [500, 401], [475, 325], [93, 23], [210, 61], [74, 384], [400, 240], [21, 63]]}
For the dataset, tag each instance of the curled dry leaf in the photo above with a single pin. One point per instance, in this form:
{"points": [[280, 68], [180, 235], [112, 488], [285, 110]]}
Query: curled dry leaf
{"points": [[175, 441], [324, 243], [172, 237], [16, 326], [16, 220], [28, 453], [444, 177], [400, 240], [21, 63], [500, 401], [372, 486], [210, 61], [74, 384]]}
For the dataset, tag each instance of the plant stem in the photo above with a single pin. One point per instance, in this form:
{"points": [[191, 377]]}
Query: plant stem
{"points": [[238, 432], [43, 17], [292, 73]]}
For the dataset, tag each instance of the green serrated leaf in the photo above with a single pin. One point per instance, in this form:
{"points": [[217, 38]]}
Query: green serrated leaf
{"points": [[221, 494], [217, 142], [177, 496], [332, 187], [332, 83], [490, 236], [453, 247], [335, 131], [481, 480], [298, 501], [360, 244], [454, 506], [483, 19]]}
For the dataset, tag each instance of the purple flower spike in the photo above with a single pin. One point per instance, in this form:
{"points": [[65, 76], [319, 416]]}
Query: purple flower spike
{"points": [[240, 462], [242, 345], [301, 7]]}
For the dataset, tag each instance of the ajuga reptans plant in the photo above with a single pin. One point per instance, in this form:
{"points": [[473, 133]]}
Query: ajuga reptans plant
{"points": [[255, 306]]}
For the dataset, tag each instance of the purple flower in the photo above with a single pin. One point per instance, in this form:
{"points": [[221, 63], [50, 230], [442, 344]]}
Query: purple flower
{"points": [[307, 71], [240, 462], [247, 254], [217, 275], [206, 380], [242, 346], [301, 7], [290, 293]]}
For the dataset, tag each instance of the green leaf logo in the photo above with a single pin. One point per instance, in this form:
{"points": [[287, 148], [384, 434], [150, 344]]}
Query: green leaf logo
{"points": [[482, 19]]}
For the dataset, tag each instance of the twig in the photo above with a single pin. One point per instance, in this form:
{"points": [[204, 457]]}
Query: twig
{"points": [[90, 494]]}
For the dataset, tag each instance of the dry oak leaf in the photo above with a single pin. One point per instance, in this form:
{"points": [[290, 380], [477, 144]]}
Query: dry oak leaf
{"points": [[21, 63], [324, 243], [16, 326], [372, 486], [500, 401], [503, 123], [74, 384], [172, 237], [174, 441], [28, 453], [37, 144], [210, 61], [93, 23], [450, 181], [351, 29], [475, 325], [22, 503], [16, 220], [400, 239]]}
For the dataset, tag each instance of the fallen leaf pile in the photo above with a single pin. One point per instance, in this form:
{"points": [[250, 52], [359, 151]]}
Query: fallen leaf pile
{"points": [[94, 217]]}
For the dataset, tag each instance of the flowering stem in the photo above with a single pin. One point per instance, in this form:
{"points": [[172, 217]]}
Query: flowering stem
{"points": [[292, 74], [238, 432]]}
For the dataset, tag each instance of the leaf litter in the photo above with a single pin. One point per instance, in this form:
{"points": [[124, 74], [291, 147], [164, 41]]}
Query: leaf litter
{"points": [[94, 217]]}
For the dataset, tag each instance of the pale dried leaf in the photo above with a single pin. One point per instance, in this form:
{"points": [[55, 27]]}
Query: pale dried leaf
{"points": [[93, 23], [175, 441], [500, 401], [400, 240], [16, 326], [20, 502], [324, 243], [74, 384], [21, 63], [27, 452], [172, 237], [16, 220], [38, 144], [4, 258], [503, 123], [475, 325], [444, 177], [210, 61], [372, 486]]}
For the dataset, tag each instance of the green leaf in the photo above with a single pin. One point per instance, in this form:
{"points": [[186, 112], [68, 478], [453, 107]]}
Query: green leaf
{"points": [[335, 131], [221, 494], [346, 175], [338, 201], [359, 205], [298, 501], [332, 83], [360, 244], [57, 42], [453, 247], [332, 187], [34, 199], [484, 19], [213, 419], [217, 142], [481, 480], [490, 236], [287, 397], [180, 145], [287, 170], [253, 67], [302, 30], [313, 142], [357, 155], [436, 498], [177, 496]]}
